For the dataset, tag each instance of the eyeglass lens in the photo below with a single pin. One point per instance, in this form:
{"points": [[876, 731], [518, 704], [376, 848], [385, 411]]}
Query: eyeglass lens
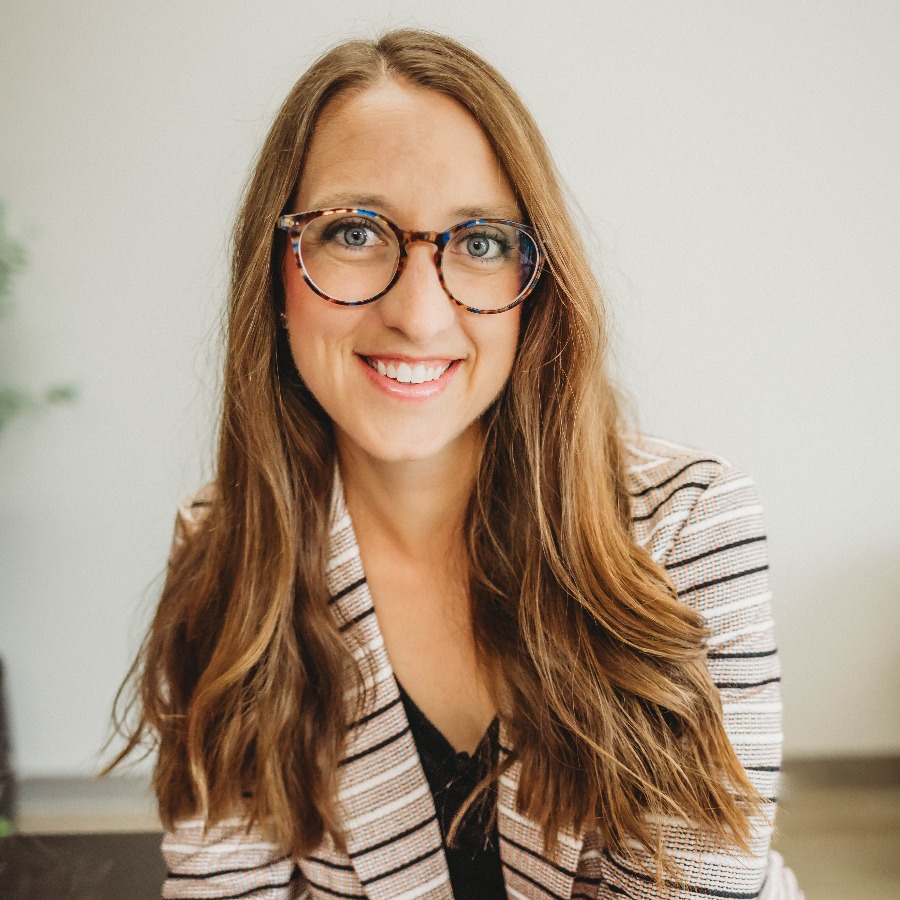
{"points": [[353, 258]]}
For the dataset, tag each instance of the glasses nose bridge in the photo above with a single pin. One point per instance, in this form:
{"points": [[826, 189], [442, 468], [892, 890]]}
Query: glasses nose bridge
{"points": [[437, 238]]}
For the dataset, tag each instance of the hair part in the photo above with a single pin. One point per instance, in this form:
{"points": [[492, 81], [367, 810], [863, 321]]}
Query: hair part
{"points": [[598, 670]]}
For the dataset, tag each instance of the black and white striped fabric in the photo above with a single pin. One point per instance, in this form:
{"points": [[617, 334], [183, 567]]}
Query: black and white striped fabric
{"points": [[699, 518]]}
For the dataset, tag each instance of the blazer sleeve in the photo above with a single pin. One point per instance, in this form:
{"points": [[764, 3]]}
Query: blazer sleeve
{"points": [[718, 563], [227, 862]]}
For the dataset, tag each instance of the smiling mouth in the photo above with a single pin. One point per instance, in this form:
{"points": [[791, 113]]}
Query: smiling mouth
{"points": [[406, 373]]}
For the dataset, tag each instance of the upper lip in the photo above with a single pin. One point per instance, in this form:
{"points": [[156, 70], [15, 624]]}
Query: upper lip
{"points": [[411, 360]]}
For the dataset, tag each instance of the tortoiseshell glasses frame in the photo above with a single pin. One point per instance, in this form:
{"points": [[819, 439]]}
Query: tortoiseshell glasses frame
{"points": [[295, 224]]}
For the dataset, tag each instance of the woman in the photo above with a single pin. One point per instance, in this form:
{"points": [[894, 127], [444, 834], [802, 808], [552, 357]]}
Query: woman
{"points": [[439, 627]]}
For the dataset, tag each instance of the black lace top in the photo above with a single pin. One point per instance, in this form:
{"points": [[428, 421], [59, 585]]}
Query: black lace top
{"points": [[474, 858]]}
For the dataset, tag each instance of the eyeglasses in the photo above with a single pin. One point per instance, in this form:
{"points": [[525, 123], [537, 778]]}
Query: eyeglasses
{"points": [[354, 256]]}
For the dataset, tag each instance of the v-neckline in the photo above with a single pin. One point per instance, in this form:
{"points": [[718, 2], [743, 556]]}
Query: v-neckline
{"points": [[462, 757], [392, 779]]}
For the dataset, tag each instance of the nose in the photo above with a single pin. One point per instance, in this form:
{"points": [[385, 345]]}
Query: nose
{"points": [[417, 304]]}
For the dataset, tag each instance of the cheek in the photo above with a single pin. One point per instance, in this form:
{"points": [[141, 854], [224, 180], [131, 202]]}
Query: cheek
{"points": [[317, 329], [500, 342], [299, 316]]}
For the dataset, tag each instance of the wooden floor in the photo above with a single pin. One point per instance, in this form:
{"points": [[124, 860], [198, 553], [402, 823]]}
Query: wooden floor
{"points": [[838, 828]]}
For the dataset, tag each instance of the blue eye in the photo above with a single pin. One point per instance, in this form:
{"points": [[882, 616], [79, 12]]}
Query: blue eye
{"points": [[482, 244], [352, 234], [478, 245], [356, 236], [347, 233]]}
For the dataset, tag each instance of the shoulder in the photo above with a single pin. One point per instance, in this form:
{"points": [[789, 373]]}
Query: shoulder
{"points": [[685, 501], [191, 513], [653, 463], [700, 518]]}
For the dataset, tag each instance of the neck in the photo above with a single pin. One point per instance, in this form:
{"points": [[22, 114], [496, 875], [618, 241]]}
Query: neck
{"points": [[417, 506]]}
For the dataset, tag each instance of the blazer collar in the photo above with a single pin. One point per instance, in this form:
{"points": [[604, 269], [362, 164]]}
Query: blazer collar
{"points": [[383, 792], [526, 862]]}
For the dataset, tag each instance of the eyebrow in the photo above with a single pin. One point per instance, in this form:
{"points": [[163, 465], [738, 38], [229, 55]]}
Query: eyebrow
{"points": [[378, 202], [501, 211]]}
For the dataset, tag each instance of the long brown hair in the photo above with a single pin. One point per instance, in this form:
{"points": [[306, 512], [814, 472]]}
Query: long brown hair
{"points": [[241, 681]]}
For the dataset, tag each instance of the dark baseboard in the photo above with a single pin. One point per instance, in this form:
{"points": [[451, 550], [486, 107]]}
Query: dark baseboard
{"points": [[844, 771]]}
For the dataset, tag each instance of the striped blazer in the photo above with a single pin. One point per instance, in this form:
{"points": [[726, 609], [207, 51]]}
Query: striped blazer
{"points": [[699, 518]]}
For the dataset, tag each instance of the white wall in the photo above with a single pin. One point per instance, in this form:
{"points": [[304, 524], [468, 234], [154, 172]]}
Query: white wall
{"points": [[738, 164]]}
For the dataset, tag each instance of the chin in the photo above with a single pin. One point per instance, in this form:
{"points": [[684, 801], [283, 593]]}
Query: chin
{"points": [[399, 446], [405, 452]]}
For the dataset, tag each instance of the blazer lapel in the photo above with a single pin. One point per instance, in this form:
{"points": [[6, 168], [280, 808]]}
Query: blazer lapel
{"points": [[527, 869], [390, 825]]}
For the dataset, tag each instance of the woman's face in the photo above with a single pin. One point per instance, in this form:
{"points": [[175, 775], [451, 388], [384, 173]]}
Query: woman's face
{"points": [[419, 158]]}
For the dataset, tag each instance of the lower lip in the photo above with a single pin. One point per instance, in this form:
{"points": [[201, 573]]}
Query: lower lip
{"points": [[412, 393]]}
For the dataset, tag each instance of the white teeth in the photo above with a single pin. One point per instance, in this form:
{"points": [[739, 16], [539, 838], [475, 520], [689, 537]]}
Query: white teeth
{"points": [[406, 374]]}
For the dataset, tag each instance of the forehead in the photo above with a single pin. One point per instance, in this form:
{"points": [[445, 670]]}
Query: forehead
{"points": [[416, 155]]}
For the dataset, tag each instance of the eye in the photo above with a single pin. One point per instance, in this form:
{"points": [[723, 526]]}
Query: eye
{"points": [[351, 238], [353, 234], [481, 244]]}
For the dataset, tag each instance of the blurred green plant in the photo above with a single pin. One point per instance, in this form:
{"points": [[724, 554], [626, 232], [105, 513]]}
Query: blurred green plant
{"points": [[15, 399]]}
